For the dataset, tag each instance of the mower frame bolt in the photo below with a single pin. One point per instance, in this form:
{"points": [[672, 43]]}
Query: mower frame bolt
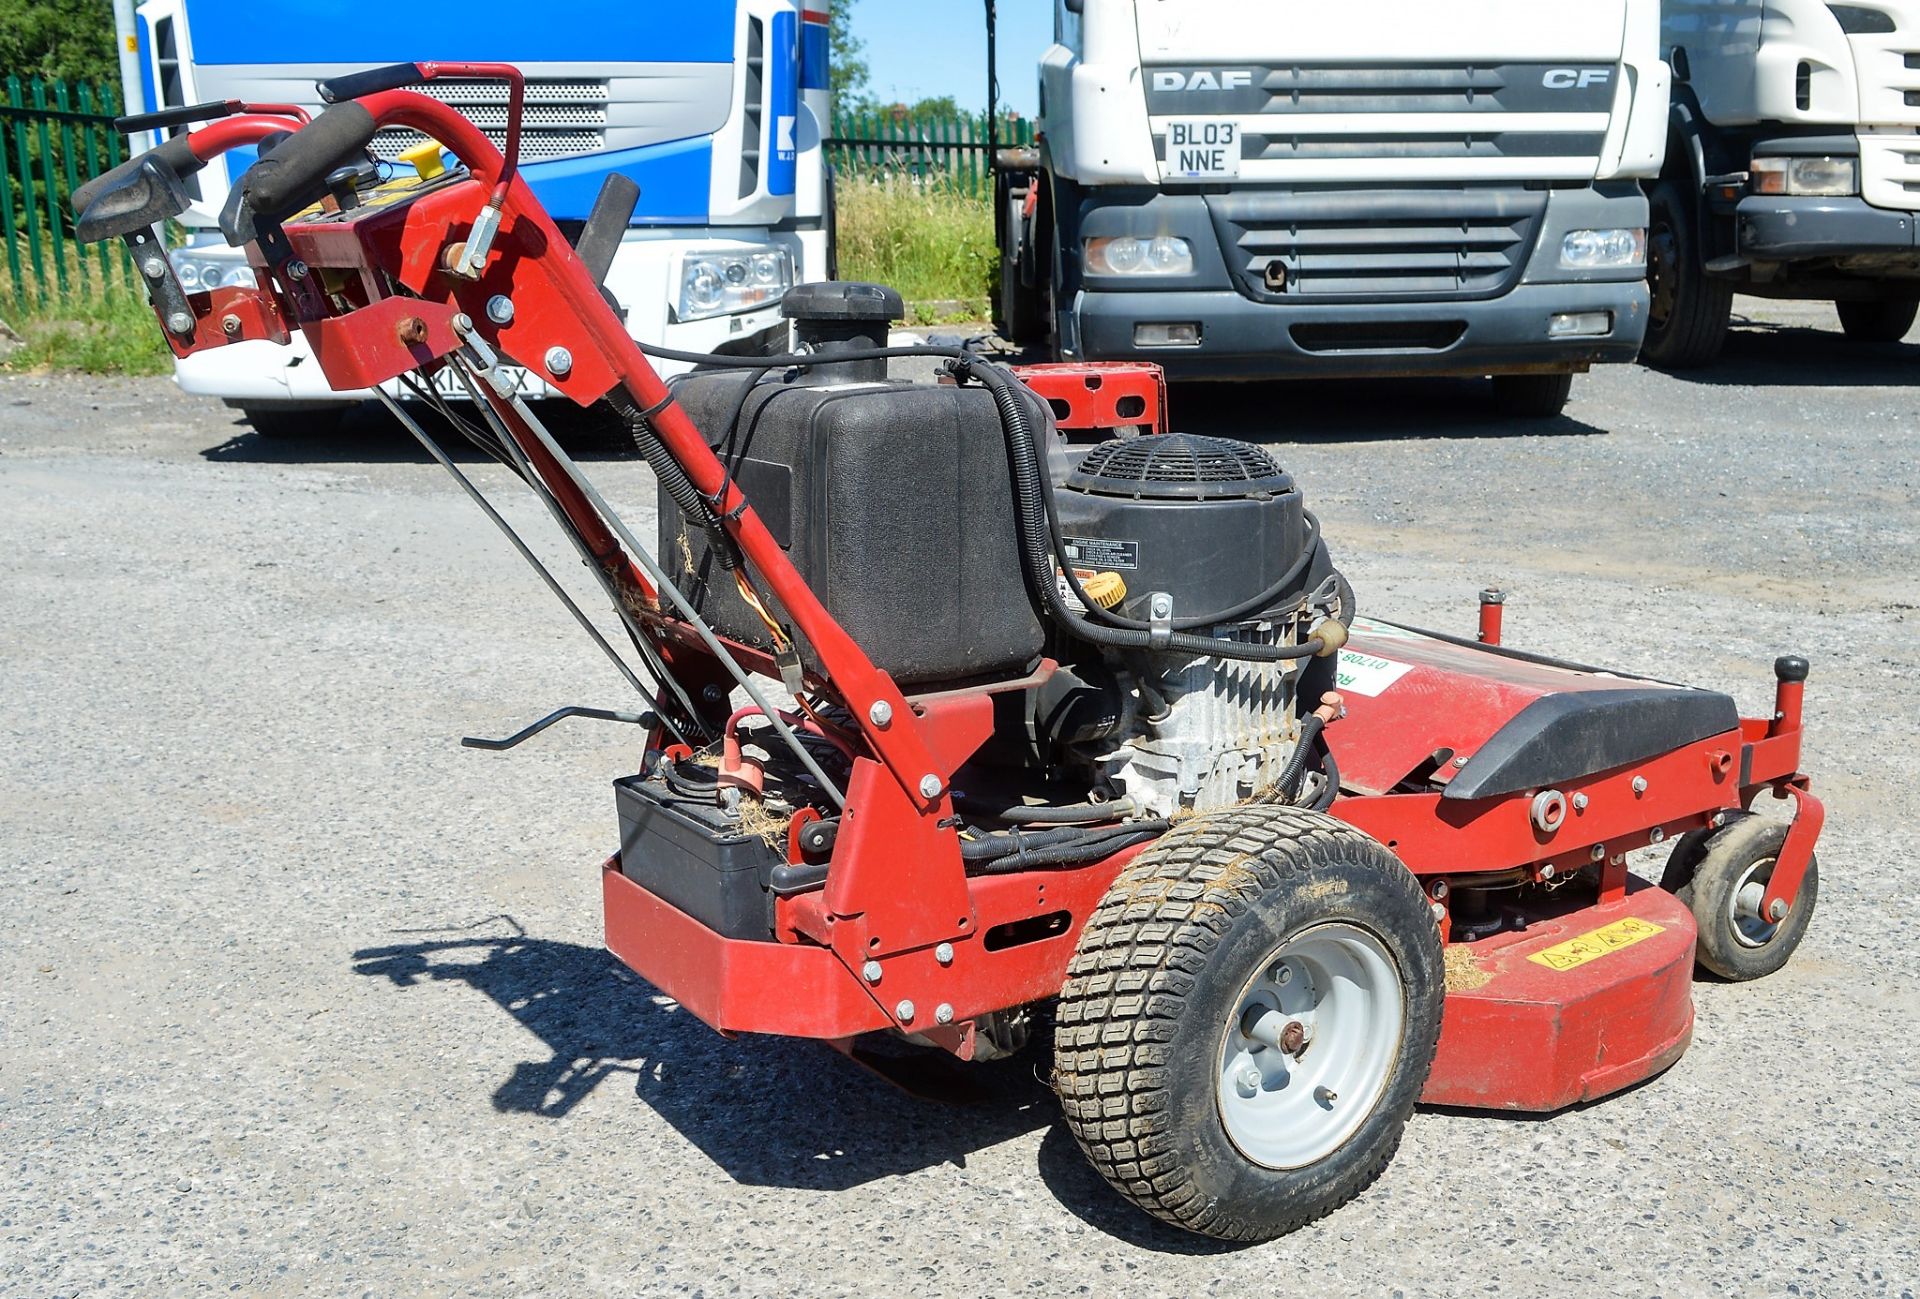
{"points": [[180, 323], [930, 786], [1639, 784], [1579, 802], [1547, 871], [1656, 834], [1597, 853], [943, 1014], [500, 309], [1439, 889], [153, 268], [903, 1012], [1778, 911], [881, 714], [296, 269], [871, 971], [944, 953], [230, 324], [1439, 910], [559, 362]]}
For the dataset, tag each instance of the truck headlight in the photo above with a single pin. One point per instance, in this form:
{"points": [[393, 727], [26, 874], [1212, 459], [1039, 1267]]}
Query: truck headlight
{"points": [[1809, 177], [199, 273], [719, 281], [1128, 255], [1596, 250]]}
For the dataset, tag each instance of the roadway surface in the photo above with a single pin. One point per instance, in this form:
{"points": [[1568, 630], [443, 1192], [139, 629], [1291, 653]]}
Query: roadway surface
{"points": [[298, 997]]}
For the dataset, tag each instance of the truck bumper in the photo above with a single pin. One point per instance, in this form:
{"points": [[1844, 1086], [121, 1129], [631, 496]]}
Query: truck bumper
{"points": [[1243, 339], [1796, 229]]}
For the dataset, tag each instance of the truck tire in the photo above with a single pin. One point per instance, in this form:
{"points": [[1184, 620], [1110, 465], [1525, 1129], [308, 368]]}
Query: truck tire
{"points": [[1254, 922], [294, 421], [1877, 322], [1531, 396], [1687, 319]]}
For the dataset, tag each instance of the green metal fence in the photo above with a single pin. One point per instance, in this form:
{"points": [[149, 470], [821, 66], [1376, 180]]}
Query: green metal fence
{"points": [[946, 153], [54, 137]]}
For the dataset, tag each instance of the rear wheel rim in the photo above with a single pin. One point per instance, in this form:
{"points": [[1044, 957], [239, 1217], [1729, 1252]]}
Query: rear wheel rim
{"points": [[1749, 923], [1337, 989]]}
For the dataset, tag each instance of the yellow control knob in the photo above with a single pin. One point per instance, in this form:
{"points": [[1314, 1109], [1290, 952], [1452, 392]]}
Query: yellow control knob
{"points": [[426, 159]]}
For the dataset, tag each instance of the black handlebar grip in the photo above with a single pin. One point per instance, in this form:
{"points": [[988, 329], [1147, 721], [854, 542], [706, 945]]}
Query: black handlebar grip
{"points": [[295, 173], [207, 112], [176, 153], [355, 84]]}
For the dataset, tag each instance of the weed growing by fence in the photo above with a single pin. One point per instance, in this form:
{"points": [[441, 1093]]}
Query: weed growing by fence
{"points": [[931, 243]]}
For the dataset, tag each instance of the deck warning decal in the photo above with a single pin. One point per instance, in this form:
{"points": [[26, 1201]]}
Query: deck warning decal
{"points": [[1367, 674], [1600, 942]]}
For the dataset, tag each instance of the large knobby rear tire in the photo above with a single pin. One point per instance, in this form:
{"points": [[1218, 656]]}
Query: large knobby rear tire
{"points": [[1689, 310], [1877, 322], [1230, 926]]}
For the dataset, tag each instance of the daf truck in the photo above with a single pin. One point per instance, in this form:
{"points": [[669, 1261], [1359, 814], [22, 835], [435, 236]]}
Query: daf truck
{"points": [[1793, 168], [1384, 187], [715, 108]]}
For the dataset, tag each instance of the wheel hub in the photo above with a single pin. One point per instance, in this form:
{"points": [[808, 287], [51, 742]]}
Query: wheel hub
{"points": [[1310, 1045], [1751, 926]]}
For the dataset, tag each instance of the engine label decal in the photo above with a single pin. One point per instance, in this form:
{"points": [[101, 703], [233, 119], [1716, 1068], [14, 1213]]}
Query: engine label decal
{"points": [[1367, 674], [1099, 552], [1592, 946]]}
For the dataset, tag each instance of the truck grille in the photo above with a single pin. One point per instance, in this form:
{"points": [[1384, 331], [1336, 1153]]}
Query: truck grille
{"points": [[563, 117], [1369, 245]]}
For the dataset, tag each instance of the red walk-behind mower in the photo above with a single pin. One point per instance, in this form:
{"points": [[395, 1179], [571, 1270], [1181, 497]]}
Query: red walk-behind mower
{"points": [[955, 727]]}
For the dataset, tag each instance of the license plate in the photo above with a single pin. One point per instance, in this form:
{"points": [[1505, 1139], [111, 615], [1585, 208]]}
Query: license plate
{"points": [[1203, 149]]}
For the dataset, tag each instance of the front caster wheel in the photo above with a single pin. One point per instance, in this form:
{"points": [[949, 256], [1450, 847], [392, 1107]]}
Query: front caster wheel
{"points": [[1248, 1020], [1723, 880]]}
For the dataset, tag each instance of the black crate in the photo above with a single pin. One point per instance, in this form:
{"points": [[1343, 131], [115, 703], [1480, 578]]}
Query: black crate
{"points": [[692, 856]]}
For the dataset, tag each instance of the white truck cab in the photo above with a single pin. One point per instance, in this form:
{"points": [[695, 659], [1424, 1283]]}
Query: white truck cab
{"points": [[1793, 169], [1419, 187]]}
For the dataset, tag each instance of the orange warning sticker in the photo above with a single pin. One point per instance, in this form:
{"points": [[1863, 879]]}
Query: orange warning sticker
{"points": [[1592, 946]]}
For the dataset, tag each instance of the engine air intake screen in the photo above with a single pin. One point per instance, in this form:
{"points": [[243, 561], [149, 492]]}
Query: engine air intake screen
{"points": [[1180, 465]]}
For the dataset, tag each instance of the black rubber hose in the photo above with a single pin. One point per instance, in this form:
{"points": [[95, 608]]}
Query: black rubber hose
{"points": [[1026, 843], [673, 479], [1331, 770], [1071, 854], [1015, 812], [1042, 547], [1296, 768]]}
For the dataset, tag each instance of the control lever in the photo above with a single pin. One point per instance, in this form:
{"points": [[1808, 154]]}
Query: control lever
{"points": [[559, 714]]}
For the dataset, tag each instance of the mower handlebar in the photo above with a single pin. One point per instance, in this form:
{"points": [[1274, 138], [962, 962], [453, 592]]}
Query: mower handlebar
{"points": [[295, 173], [353, 85]]}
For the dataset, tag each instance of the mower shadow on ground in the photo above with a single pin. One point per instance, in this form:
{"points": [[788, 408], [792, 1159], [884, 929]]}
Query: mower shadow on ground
{"points": [[1765, 354], [599, 1022], [368, 435], [1352, 410]]}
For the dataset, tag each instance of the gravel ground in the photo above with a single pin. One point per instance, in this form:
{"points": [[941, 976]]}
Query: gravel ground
{"points": [[299, 997]]}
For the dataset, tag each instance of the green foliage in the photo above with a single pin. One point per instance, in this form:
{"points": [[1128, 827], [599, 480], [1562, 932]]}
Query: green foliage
{"points": [[110, 331], [68, 39], [927, 241], [846, 72]]}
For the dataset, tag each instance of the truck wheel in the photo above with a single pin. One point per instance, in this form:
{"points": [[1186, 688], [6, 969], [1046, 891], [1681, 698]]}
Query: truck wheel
{"points": [[1248, 1019], [1877, 322], [1687, 321], [1723, 886], [294, 421], [1531, 396]]}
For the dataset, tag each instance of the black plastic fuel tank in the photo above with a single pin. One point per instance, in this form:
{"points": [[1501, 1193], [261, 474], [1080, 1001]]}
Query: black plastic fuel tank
{"points": [[894, 502]]}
